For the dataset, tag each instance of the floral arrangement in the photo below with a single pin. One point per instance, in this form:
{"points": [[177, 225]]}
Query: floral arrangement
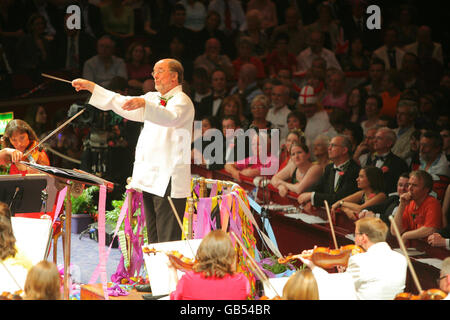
{"points": [[273, 269], [84, 203]]}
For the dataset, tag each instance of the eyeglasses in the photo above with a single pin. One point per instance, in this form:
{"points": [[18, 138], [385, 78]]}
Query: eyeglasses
{"points": [[438, 280], [332, 145], [158, 72]]}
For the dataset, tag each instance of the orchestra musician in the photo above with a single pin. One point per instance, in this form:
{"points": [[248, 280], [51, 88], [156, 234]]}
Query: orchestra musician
{"points": [[377, 274], [20, 136]]}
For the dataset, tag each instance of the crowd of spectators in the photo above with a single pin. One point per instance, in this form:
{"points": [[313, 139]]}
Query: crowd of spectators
{"points": [[313, 66]]}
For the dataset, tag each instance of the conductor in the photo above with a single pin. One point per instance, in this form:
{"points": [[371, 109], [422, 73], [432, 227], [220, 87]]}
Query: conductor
{"points": [[162, 163]]}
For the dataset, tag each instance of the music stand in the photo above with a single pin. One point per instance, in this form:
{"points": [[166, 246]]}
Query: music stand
{"points": [[23, 193], [72, 179]]}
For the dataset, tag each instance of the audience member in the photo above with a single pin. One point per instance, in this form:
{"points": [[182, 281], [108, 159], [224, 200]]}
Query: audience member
{"points": [[35, 50], [210, 105], [389, 206], [296, 120], [373, 106], [320, 150], [379, 273], [445, 134], [371, 185], [419, 214], [211, 30], [410, 73], [200, 90], [393, 87], [316, 49], [232, 106], [137, 69], [294, 135], [339, 177], [317, 118], [280, 58], [245, 55], [405, 26], [247, 87], [43, 282], [326, 25], [336, 95], [383, 158], [373, 85], [365, 149], [355, 60], [37, 118], [212, 59], [441, 238], [432, 159], [406, 118], [267, 11], [389, 52], [427, 113], [104, 66], [232, 16], [254, 30], [14, 264], [73, 48], [354, 132], [118, 19], [91, 21], [300, 173], [259, 109], [279, 111], [425, 47], [301, 286], [177, 28], [262, 160], [295, 30], [286, 78], [413, 158], [178, 50], [195, 14]]}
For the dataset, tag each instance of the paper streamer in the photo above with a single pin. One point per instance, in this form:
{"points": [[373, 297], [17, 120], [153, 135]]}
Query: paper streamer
{"points": [[267, 225]]}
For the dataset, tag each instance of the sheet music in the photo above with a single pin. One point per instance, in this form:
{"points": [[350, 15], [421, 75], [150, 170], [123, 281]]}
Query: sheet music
{"points": [[411, 251], [32, 236], [307, 218], [437, 263]]}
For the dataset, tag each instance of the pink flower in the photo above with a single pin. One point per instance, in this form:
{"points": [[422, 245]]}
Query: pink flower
{"points": [[384, 169], [341, 173]]}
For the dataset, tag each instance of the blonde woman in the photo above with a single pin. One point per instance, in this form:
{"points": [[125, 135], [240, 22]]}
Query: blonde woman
{"points": [[301, 285], [43, 282]]}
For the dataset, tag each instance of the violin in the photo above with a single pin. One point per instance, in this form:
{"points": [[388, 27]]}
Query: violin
{"points": [[36, 156], [430, 294], [178, 260], [326, 258]]}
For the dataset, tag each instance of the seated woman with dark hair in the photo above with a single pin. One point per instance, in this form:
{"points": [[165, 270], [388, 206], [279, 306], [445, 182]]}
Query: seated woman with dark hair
{"points": [[370, 181], [214, 275], [285, 155], [300, 173]]}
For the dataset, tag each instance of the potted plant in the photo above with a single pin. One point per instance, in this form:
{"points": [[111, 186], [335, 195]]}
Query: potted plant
{"points": [[84, 209]]}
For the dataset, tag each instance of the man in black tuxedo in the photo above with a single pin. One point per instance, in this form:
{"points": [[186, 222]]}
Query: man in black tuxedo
{"points": [[383, 158], [339, 178]]}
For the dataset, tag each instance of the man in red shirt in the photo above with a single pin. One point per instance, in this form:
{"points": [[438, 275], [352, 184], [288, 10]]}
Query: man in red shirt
{"points": [[419, 214]]}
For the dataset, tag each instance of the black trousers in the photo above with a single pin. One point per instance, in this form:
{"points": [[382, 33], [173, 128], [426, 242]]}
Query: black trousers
{"points": [[162, 225]]}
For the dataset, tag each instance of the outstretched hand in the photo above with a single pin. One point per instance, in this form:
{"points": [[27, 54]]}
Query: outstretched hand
{"points": [[83, 84], [134, 103]]}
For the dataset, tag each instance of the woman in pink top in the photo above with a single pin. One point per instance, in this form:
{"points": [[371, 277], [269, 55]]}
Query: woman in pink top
{"points": [[214, 275]]}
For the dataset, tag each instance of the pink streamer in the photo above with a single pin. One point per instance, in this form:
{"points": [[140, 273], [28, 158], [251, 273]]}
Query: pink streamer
{"points": [[59, 203], [203, 225]]}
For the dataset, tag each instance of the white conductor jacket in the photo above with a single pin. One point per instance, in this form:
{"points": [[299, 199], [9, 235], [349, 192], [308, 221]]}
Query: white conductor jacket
{"points": [[164, 144]]}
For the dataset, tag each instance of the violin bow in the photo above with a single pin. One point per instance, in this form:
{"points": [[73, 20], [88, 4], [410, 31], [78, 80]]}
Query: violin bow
{"points": [[331, 224], [53, 132], [402, 246], [180, 224], [254, 266]]}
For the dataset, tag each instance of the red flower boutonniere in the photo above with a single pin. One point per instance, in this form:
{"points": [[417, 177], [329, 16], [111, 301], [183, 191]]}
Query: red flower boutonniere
{"points": [[341, 173], [384, 169], [163, 101]]}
